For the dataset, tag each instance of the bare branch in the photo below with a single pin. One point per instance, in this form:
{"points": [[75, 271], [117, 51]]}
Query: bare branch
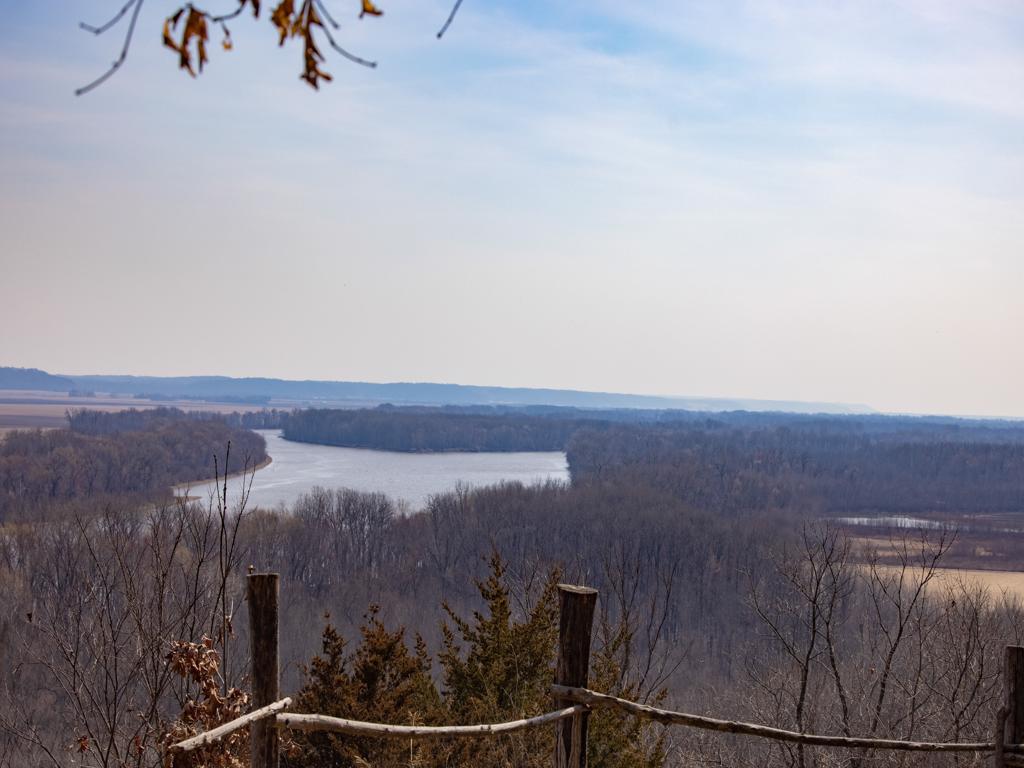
{"points": [[326, 14], [99, 30], [450, 19], [228, 16], [124, 48], [342, 51]]}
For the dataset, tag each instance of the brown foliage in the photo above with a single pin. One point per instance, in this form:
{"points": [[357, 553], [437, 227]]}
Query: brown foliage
{"points": [[306, 20], [199, 664], [194, 30], [301, 23]]}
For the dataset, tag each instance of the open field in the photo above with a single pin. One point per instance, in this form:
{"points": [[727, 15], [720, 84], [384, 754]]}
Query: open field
{"points": [[998, 583], [1011, 582], [986, 544], [993, 559], [28, 417], [31, 409]]}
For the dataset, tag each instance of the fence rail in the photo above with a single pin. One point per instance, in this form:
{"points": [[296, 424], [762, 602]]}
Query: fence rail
{"points": [[575, 625], [386, 731], [667, 717], [589, 700], [214, 735]]}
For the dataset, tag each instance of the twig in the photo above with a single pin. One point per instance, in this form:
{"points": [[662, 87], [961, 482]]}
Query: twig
{"points": [[227, 16], [343, 52], [326, 14], [124, 49], [451, 18], [104, 27]]}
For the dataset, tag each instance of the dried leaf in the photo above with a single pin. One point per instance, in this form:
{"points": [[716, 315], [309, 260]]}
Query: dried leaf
{"points": [[290, 23], [171, 22], [282, 19], [194, 31], [370, 8]]}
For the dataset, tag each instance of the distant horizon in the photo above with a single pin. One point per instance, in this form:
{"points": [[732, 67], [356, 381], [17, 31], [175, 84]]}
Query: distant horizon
{"points": [[861, 408], [383, 382], [864, 408], [537, 387]]}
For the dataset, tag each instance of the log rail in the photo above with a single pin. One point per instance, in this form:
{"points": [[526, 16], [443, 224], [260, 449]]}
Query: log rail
{"points": [[573, 702], [214, 735], [594, 700], [588, 701], [385, 731]]}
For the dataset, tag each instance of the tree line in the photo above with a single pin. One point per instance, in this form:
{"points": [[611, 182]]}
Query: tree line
{"points": [[419, 430], [136, 453], [808, 471]]}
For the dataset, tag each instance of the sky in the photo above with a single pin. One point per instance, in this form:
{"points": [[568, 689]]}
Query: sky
{"points": [[772, 199]]}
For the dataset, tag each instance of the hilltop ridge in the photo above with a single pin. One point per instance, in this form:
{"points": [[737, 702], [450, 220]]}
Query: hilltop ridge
{"points": [[406, 393]]}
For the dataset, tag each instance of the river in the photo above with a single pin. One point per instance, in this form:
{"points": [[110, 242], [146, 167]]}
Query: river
{"points": [[410, 477]]}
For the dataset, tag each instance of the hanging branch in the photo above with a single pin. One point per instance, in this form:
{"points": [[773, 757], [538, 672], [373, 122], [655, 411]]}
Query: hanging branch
{"points": [[330, 39], [194, 33]]}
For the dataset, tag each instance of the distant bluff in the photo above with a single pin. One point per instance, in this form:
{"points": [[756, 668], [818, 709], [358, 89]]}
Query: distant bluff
{"points": [[33, 378]]}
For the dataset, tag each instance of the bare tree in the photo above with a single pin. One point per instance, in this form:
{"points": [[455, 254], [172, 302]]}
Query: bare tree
{"points": [[111, 595], [869, 648]]}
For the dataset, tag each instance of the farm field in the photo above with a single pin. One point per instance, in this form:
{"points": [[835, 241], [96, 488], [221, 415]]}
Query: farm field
{"points": [[990, 559], [31, 409], [1010, 583]]}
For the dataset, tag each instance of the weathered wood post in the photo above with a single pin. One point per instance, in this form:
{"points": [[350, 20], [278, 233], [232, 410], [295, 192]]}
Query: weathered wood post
{"points": [[262, 592], [1010, 728], [576, 619]]}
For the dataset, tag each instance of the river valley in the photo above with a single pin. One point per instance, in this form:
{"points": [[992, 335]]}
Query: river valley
{"points": [[410, 477]]}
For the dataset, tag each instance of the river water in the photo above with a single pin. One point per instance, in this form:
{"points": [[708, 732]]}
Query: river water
{"points": [[411, 477], [893, 521]]}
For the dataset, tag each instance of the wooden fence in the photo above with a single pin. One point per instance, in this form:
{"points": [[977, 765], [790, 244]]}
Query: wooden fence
{"points": [[573, 701]]}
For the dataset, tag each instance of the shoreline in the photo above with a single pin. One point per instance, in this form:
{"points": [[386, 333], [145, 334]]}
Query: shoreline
{"points": [[187, 486]]}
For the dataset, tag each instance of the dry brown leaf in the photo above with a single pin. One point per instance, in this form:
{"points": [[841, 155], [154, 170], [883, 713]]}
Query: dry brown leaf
{"points": [[195, 31], [370, 8], [282, 19]]}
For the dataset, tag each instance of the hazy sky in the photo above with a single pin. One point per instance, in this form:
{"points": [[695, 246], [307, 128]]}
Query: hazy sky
{"points": [[775, 199]]}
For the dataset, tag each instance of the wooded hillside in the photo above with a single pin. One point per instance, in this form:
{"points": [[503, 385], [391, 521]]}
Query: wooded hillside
{"points": [[138, 453]]}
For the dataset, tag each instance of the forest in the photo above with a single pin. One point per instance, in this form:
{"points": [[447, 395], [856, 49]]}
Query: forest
{"points": [[724, 589], [811, 471], [133, 453], [505, 428], [421, 429]]}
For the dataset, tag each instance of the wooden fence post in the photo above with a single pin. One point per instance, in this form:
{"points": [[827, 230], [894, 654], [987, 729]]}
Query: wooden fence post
{"points": [[262, 591], [1011, 715], [576, 618]]}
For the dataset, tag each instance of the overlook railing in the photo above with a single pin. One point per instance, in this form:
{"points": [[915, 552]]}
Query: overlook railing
{"points": [[573, 701]]}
